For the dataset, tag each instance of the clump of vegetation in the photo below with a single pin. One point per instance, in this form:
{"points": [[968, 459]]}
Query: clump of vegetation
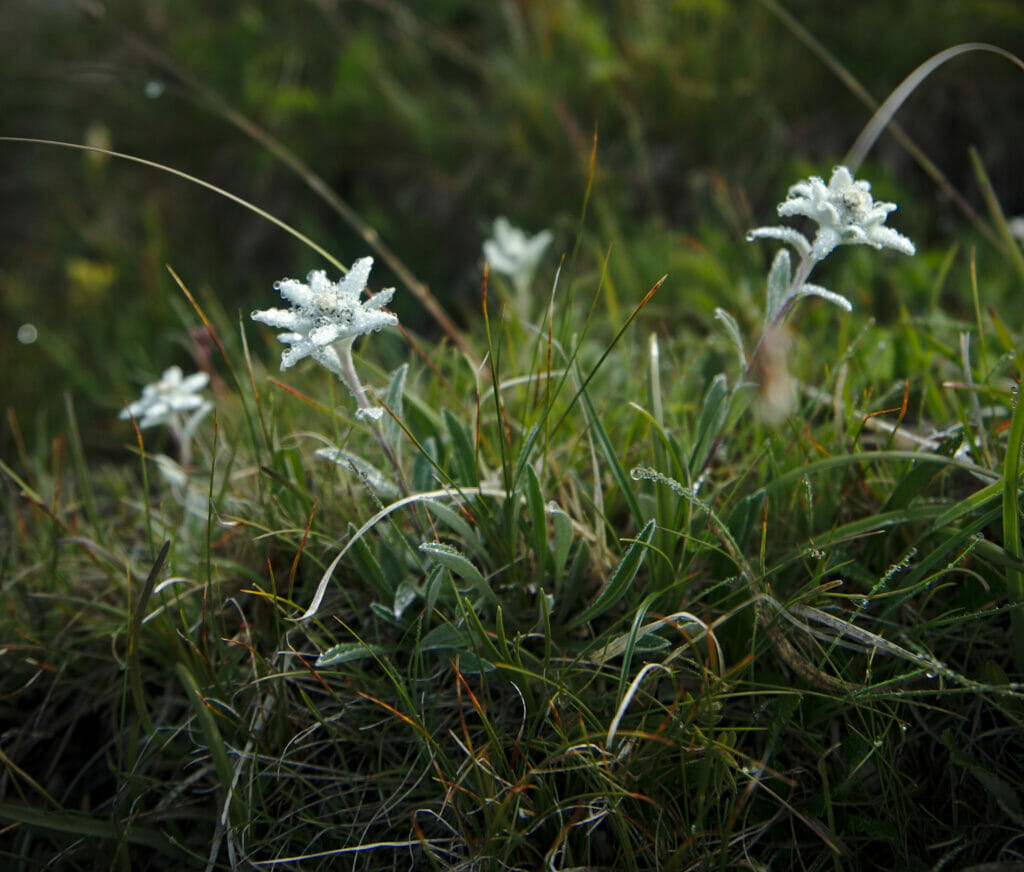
{"points": [[580, 583]]}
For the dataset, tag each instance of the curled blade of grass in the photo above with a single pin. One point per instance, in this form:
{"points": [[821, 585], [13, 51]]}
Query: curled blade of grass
{"points": [[634, 686], [305, 240], [861, 93], [883, 115], [321, 590]]}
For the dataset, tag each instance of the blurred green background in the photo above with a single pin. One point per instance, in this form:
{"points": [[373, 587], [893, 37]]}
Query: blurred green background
{"points": [[429, 118]]}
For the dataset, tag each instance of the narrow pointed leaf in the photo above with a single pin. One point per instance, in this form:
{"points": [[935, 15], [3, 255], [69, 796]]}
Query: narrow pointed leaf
{"points": [[622, 578]]}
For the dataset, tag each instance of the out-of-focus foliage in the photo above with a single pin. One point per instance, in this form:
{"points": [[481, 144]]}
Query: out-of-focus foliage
{"points": [[429, 119]]}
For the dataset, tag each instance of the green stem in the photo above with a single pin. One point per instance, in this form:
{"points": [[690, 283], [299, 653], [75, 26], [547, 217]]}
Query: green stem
{"points": [[350, 378]]}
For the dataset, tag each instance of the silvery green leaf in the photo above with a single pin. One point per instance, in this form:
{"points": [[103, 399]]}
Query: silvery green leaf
{"points": [[405, 596], [457, 523], [393, 398], [783, 234], [171, 471], [733, 329], [370, 413], [561, 525], [779, 280], [459, 565], [713, 413], [346, 652], [809, 290], [368, 473]]}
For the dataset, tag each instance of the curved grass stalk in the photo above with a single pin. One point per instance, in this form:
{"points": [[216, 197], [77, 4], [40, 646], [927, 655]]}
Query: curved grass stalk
{"points": [[152, 164], [884, 113], [314, 182], [321, 589]]}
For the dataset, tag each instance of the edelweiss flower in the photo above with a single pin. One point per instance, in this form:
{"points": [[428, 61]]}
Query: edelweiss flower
{"points": [[845, 214], [324, 313], [161, 401], [514, 254]]}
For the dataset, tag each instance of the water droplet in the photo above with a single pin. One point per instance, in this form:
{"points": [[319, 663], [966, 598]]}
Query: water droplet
{"points": [[27, 334]]}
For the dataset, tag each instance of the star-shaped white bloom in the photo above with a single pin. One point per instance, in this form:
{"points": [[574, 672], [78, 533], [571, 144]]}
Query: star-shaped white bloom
{"points": [[512, 252], [163, 400], [325, 312], [845, 212]]}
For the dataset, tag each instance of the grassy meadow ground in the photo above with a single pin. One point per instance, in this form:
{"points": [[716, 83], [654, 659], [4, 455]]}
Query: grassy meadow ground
{"points": [[603, 587]]}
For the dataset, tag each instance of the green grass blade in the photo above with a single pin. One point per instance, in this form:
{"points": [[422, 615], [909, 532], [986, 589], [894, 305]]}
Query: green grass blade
{"points": [[713, 412], [393, 399], [134, 670], [621, 579], [1011, 531], [610, 456], [85, 826], [82, 470], [538, 520], [463, 457], [214, 743]]}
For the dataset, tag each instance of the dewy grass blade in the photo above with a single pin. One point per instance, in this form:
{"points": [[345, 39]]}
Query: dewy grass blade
{"points": [[460, 566]]}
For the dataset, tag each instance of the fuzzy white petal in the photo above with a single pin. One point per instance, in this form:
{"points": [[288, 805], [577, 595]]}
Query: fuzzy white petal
{"points": [[325, 312]]}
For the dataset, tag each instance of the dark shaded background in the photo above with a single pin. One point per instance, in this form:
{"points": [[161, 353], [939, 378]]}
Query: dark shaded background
{"points": [[429, 119]]}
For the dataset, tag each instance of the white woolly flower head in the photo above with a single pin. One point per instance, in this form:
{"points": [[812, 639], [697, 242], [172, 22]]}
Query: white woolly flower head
{"points": [[163, 400], [511, 252], [845, 212], [325, 312]]}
